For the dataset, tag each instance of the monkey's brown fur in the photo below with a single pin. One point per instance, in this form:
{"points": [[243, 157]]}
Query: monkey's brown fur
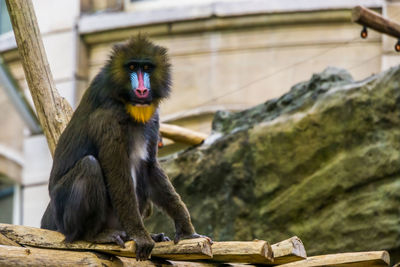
{"points": [[105, 169]]}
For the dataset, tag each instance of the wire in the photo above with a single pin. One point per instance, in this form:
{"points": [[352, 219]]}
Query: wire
{"points": [[242, 87]]}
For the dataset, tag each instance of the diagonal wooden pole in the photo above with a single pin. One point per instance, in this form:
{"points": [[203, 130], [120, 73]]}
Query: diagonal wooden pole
{"points": [[53, 111]]}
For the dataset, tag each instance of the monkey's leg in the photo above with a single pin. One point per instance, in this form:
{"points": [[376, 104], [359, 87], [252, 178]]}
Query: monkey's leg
{"points": [[80, 200], [164, 195], [48, 221]]}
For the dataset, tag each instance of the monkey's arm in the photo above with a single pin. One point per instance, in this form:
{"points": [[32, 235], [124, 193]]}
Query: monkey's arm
{"points": [[114, 161], [163, 194]]}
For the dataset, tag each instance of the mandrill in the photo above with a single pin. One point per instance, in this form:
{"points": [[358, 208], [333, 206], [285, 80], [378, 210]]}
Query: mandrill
{"points": [[105, 170]]}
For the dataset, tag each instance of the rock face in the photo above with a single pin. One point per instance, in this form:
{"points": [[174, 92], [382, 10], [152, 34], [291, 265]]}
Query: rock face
{"points": [[322, 162]]}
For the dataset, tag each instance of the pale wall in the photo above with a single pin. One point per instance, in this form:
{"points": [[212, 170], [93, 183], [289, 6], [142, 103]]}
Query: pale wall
{"points": [[245, 67]]}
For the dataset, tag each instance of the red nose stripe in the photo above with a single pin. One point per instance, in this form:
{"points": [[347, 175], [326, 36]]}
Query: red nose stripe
{"points": [[141, 91]]}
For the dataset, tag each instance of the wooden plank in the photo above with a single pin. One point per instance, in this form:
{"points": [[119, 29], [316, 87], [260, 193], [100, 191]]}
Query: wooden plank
{"points": [[353, 259], [289, 250], [131, 262], [21, 257], [373, 20], [8, 242], [190, 249], [257, 252]]}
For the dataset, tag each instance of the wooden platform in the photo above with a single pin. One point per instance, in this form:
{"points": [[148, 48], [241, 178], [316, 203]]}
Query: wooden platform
{"points": [[29, 246]]}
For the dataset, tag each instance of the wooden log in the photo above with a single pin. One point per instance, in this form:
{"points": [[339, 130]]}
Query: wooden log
{"points": [[354, 259], [257, 252], [8, 242], [53, 111], [21, 257], [180, 134], [131, 262], [373, 20], [289, 250], [190, 249]]}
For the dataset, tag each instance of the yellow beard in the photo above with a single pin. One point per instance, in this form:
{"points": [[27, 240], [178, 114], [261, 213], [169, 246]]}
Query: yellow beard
{"points": [[141, 114]]}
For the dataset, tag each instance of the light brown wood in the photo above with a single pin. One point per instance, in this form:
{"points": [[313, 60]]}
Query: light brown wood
{"points": [[21, 257], [180, 134], [373, 20], [354, 259], [8, 242], [289, 250], [131, 262], [257, 252], [53, 111], [190, 249]]}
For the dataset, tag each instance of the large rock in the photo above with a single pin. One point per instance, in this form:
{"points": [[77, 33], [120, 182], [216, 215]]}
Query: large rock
{"points": [[322, 162]]}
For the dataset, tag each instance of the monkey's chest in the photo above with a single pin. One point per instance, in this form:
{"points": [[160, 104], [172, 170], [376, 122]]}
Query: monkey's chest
{"points": [[138, 154]]}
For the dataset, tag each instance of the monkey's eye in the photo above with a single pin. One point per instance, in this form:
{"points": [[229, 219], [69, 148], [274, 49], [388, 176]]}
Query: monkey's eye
{"points": [[147, 67], [131, 66]]}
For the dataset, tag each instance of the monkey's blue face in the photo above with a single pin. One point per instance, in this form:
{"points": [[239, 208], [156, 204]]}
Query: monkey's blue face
{"points": [[140, 72], [140, 82]]}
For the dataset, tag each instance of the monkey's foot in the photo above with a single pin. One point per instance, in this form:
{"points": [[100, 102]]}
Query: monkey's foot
{"points": [[161, 237], [110, 236]]}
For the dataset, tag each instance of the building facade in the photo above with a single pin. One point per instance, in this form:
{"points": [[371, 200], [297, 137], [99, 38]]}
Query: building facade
{"points": [[226, 55]]}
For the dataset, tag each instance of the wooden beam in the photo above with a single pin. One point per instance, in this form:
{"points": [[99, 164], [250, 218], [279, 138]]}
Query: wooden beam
{"points": [[354, 259], [190, 249], [180, 134], [373, 20], [289, 250], [257, 252], [8, 242], [21, 257], [53, 111]]}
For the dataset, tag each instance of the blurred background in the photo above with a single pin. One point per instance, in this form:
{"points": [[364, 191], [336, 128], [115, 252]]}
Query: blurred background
{"points": [[226, 55]]}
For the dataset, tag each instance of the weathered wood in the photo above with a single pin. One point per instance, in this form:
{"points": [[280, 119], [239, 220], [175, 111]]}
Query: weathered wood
{"points": [[8, 242], [53, 111], [354, 259], [289, 250], [373, 20], [257, 252], [180, 134], [191, 249], [21, 257], [131, 262]]}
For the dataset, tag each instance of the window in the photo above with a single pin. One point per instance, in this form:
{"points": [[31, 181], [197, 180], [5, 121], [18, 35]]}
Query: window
{"points": [[6, 201], [5, 23]]}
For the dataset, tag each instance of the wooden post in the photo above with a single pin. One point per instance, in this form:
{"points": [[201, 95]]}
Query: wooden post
{"points": [[373, 20], [53, 111]]}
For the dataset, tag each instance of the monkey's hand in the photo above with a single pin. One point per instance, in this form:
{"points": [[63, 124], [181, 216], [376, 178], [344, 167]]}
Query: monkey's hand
{"points": [[179, 236], [161, 237], [144, 246]]}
